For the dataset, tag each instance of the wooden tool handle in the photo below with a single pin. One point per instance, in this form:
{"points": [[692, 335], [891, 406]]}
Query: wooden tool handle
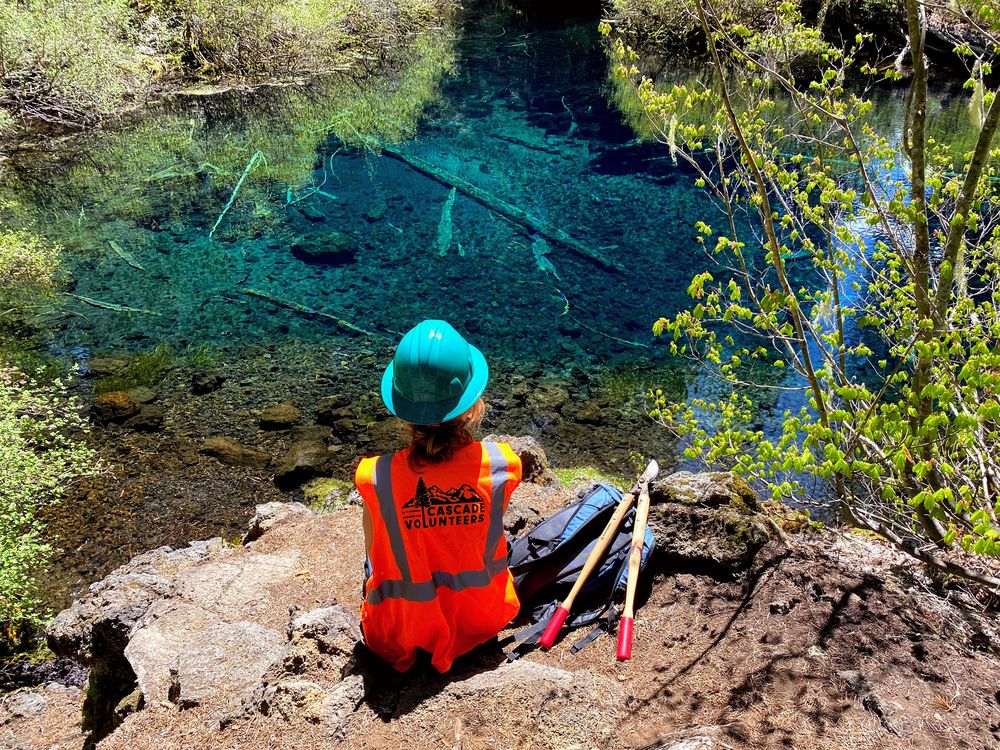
{"points": [[596, 554], [634, 560], [593, 559]]}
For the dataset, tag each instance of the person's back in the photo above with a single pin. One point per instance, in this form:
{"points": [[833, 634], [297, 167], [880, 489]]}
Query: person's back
{"points": [[438, 578]]}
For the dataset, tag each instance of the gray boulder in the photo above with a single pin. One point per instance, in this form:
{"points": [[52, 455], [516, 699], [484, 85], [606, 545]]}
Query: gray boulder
{"points": [[112, 606], [269, 515], [226, 659], [708, 521], [214, 639], [316, 679], [534, 463], [96, 629]]}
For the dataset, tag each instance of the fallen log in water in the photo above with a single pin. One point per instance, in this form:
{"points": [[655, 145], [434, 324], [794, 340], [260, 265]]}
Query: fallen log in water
{"points": [[110, 305], [305, 310], [502, 207], [125, 255]]}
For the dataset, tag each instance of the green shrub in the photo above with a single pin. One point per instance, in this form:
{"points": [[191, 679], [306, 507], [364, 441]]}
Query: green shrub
{"points": [[72, 62], [41, 450], [28, 274], [66, 61]]}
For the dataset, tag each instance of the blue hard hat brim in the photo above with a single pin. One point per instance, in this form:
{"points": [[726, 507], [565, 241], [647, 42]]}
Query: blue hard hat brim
{"points": [[436, 412]]}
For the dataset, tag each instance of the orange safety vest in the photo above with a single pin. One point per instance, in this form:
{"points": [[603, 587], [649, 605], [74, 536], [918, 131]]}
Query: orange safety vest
{"points": [[439, 579]]}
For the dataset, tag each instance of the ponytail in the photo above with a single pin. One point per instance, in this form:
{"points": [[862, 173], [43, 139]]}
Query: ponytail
{"points": [[434, 444]]}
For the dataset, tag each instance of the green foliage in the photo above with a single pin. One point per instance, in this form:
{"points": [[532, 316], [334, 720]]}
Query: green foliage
{"points": [[202, 356], [906, 438], [168, 167], [147, 368], [28, 274], [71, 62], [670, 28], [40, 452], [67, 61]]}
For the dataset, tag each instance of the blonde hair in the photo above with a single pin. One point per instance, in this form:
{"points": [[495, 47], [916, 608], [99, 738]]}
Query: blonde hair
{"points": [[434, 444]]}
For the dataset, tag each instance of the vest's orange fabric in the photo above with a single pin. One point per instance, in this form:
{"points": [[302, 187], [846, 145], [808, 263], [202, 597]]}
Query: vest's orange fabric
{"points": [[450, 593]]}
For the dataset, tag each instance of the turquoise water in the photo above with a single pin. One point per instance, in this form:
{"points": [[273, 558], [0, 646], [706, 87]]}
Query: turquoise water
{"points": [[521, 114]]}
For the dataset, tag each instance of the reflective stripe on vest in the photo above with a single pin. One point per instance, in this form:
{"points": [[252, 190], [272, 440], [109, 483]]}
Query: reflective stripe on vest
{"points": [[425, 591]]}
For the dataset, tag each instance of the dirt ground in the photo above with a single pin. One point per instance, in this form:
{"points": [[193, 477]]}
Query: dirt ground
{"points": [[827, 644]]}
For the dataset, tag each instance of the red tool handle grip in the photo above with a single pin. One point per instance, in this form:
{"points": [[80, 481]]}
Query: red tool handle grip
{"points": [[625, 638], [554, 626]]}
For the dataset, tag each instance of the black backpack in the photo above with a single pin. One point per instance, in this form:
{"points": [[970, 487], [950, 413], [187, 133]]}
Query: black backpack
{"points": [[547, 561]]}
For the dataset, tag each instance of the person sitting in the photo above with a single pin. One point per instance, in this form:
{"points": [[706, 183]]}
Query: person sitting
{"points": [[437, 577]]}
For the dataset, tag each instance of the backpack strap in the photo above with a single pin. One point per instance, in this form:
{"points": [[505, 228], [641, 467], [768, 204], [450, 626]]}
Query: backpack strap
{"points": [[527, 638], [608, 625]]}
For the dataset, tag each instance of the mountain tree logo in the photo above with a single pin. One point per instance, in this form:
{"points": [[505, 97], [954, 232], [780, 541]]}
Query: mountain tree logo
{"points": [[433, 507]]}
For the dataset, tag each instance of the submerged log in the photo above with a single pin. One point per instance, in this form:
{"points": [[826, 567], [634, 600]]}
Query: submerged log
{"points": [[110, 305], [305, 310], [125, 255], [502, 207]]}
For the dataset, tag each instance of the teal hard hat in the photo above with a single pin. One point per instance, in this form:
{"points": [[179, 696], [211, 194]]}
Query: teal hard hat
{"points": [[436, 375]]}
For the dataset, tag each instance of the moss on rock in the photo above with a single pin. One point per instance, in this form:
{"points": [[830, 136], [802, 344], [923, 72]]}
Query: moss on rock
{"points": [[326, 494]]}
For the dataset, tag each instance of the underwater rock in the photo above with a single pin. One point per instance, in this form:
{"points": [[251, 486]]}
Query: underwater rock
{"points": [[333, 408], [304, 460], [547, 397], [228, 451], [206, 381], [709, 521], [149, 419], [589, 412], [113, 407], [376, 212], [313, 432], [280, 416], [311, 213], [331, 248], [141, 394], [99, 367]]}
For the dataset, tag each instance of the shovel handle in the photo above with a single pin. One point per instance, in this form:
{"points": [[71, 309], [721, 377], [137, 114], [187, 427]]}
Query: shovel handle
{"points": [[635, 559]]}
